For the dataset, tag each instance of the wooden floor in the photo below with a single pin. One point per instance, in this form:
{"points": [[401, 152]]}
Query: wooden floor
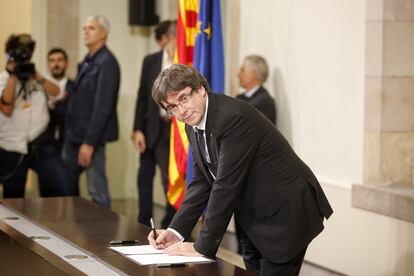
{"points": [[228, 247]]}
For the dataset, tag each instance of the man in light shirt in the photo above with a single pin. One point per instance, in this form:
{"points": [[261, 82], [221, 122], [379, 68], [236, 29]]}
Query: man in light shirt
{"points": [[24, 116]]}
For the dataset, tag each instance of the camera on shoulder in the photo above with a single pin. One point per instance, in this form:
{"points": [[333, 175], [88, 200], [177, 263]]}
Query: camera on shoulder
{"points": [[19, 49]]}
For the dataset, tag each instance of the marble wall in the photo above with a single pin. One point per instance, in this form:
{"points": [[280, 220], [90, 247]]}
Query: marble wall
{"points": [[63, 29], [389, 93]]}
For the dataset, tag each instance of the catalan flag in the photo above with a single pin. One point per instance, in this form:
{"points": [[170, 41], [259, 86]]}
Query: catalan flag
{"points": [[179, 146], [199, 35], [208, 52]]}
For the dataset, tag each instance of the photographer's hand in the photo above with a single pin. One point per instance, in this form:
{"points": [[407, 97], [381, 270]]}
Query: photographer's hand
{"points": [[85, 155], [10, 66], [7, 97]]}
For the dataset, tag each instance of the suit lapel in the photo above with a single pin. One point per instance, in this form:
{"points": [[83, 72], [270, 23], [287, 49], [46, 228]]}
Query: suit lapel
{"points": [[198, 156], [81, 73], [210, 130]]}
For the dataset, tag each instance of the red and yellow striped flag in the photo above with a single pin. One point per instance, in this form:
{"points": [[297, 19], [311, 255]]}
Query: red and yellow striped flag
{"points": [[186, 32]]}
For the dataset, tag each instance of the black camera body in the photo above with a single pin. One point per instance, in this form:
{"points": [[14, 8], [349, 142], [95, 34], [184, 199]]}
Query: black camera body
{"points": [[19, 49], [24, 71]]}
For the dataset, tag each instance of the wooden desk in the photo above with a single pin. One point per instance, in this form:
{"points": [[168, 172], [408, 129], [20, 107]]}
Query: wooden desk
{"points": [[89, 227]]}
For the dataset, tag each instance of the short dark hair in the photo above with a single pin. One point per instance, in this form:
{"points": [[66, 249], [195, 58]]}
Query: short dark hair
{"points": [[56, 50], [165, 27], [15, 40], [176, 78]]}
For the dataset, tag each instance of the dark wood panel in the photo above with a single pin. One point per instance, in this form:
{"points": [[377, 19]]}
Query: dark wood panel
{"points": [[91, 227], [18, 257]]}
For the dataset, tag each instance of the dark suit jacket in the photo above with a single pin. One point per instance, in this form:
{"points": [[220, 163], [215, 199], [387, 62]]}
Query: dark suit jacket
{"points": [[262, 100], [147, 114], [92, 117], [58, 116], [275, 197]]}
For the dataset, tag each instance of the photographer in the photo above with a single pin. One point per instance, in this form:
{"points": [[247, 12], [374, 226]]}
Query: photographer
{"points": [[24, 116]]}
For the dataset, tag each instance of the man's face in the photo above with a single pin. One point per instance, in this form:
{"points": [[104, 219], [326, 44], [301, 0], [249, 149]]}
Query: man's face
{"points": [[247, 76], [57, 65], [93, 33], [191, 112]]}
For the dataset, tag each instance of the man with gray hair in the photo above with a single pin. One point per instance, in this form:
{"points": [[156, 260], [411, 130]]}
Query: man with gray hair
{"points": [[252, 74], [92, 120]]}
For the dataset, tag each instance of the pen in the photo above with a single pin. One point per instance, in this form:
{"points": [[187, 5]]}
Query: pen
{"points": [[172, 265], [153, 230], [124, 242]]}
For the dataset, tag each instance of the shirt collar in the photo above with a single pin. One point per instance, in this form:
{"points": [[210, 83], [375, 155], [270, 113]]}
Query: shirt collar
{"points": [[166, 61], [251, 92], [202, 124], [90, 58]]}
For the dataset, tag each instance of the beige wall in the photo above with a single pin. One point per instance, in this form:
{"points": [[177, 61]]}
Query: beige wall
{"points": [[11, 23], [316, 53]]}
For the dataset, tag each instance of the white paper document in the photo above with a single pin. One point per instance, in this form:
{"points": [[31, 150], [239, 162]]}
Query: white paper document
{"points": [[160, 259], [147, 255], [136, 250]]}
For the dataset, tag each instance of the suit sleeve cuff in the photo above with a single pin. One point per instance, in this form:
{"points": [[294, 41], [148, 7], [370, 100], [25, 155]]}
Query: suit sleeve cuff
{"points": [[176, 233]]}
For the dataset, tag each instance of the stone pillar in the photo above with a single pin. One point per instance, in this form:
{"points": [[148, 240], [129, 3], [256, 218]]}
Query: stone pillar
{"points": [[63, 30], [389, 93]]}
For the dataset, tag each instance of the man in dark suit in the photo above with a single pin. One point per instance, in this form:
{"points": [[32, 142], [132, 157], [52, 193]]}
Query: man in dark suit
{"points": [[151, 135], [92, 119], [242, 165], [252, 74], [58, 106]]}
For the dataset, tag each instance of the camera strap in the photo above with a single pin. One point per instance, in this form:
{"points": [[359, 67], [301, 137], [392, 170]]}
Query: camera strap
{"points": [[24, 90]]}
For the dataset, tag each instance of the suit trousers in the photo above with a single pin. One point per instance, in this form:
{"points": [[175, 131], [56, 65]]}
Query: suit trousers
{"points": [[158, 155], [255, 261]]}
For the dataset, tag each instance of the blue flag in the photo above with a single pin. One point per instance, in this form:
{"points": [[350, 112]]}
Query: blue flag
{"points": [[208, 53]]}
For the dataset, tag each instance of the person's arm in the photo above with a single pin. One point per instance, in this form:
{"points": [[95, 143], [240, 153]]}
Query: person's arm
{"points": [[106, 97], [8, 96], [50, 88], [138, 138], [144, 92]]}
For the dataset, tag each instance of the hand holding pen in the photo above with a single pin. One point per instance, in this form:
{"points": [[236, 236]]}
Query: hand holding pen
{"points": [[154, 233], [161, 239]]}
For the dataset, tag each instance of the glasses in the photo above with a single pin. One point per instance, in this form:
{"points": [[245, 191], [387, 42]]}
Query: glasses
{"points": [[183, 100]]}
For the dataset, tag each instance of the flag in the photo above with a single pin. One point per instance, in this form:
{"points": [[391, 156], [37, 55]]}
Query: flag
{"points": [[179, 145], [208, 53]]}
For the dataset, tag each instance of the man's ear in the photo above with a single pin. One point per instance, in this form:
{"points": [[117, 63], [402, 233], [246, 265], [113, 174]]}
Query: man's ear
{"points": [[203, 91]]}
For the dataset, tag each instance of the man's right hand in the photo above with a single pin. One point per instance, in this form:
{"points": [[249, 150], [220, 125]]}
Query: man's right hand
{"points": [[138, 138], [165, 239], [10, 65]]}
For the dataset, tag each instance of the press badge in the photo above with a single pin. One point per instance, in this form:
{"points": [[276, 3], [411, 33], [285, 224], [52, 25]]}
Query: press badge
{"points": [[26, 106]]}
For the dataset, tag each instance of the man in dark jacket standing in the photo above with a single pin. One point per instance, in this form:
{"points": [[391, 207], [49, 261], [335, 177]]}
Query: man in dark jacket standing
{"points": [[252, 74], [151, 134], [92, 119]]}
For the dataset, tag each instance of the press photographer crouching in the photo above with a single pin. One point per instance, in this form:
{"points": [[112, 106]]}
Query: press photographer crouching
{"points": [[24, 116]]}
